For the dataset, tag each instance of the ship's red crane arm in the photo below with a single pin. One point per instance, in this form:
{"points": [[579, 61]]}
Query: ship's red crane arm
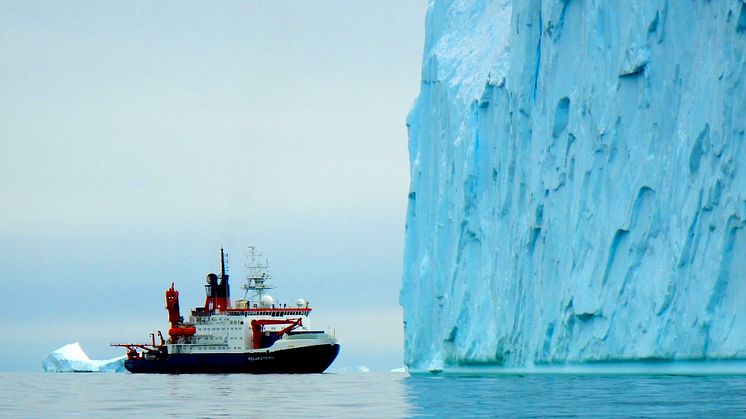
{"points": [[256, 328], [292, 326]]}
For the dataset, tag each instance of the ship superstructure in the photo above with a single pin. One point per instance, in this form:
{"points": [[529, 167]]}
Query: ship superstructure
{"points": [[255, 335]]}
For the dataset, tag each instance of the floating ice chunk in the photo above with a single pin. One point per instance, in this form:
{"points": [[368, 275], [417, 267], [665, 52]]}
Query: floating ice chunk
{"points": [[71, 358]]}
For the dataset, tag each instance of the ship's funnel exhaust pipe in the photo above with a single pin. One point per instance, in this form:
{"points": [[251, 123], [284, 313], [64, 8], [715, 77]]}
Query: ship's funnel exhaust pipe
{"points": [[217, 288]]}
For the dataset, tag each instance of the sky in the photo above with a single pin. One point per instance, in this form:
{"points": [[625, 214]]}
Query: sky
{"points": [[137, 138]]}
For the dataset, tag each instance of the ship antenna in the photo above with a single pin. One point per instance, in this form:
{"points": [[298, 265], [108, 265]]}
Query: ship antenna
{"points": [[257, 275]]}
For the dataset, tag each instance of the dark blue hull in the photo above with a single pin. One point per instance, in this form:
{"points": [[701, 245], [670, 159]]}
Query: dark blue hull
{"points": [[306, 360]]}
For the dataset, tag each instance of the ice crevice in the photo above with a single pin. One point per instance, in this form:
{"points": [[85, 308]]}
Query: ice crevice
{"points": [[578, 189]]}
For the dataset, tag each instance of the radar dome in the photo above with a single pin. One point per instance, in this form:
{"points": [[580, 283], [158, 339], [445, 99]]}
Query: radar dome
{"points": [[300, 302], [267, 301]]}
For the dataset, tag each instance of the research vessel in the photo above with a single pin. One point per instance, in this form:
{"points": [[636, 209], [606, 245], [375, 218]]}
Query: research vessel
{"points": [[255, 335]]}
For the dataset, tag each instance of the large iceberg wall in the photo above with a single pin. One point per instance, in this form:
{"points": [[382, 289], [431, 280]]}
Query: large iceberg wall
{"points": [[578, 184]]}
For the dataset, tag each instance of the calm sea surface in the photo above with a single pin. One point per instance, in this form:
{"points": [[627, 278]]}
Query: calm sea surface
{"points": [[370, 395]]}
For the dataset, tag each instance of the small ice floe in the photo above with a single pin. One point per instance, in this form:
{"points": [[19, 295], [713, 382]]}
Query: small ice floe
{"points": [[71, 358]]}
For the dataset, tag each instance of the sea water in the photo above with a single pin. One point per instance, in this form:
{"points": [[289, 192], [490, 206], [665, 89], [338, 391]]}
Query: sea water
{"points": [[370, 395]]}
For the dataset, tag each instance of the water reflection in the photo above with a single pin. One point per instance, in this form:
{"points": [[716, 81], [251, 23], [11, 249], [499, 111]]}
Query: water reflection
{"points": [[584, 396], [372, 395]]}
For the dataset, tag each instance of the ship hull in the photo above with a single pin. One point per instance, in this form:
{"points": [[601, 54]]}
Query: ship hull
{"points": [[304, 360]]}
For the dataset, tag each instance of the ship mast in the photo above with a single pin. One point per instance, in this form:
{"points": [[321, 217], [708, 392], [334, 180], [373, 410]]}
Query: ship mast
{"points": [[222, 263], [257, 276]]}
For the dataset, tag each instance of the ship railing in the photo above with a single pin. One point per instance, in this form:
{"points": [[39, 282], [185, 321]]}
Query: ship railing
{"points": [[272, 312]]}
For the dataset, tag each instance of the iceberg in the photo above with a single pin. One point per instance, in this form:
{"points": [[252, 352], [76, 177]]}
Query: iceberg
{"points": [[71, 358], [578, 185]]}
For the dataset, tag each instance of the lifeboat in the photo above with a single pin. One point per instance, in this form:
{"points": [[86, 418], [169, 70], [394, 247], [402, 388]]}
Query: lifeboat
{"points": [[182, 331]]}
